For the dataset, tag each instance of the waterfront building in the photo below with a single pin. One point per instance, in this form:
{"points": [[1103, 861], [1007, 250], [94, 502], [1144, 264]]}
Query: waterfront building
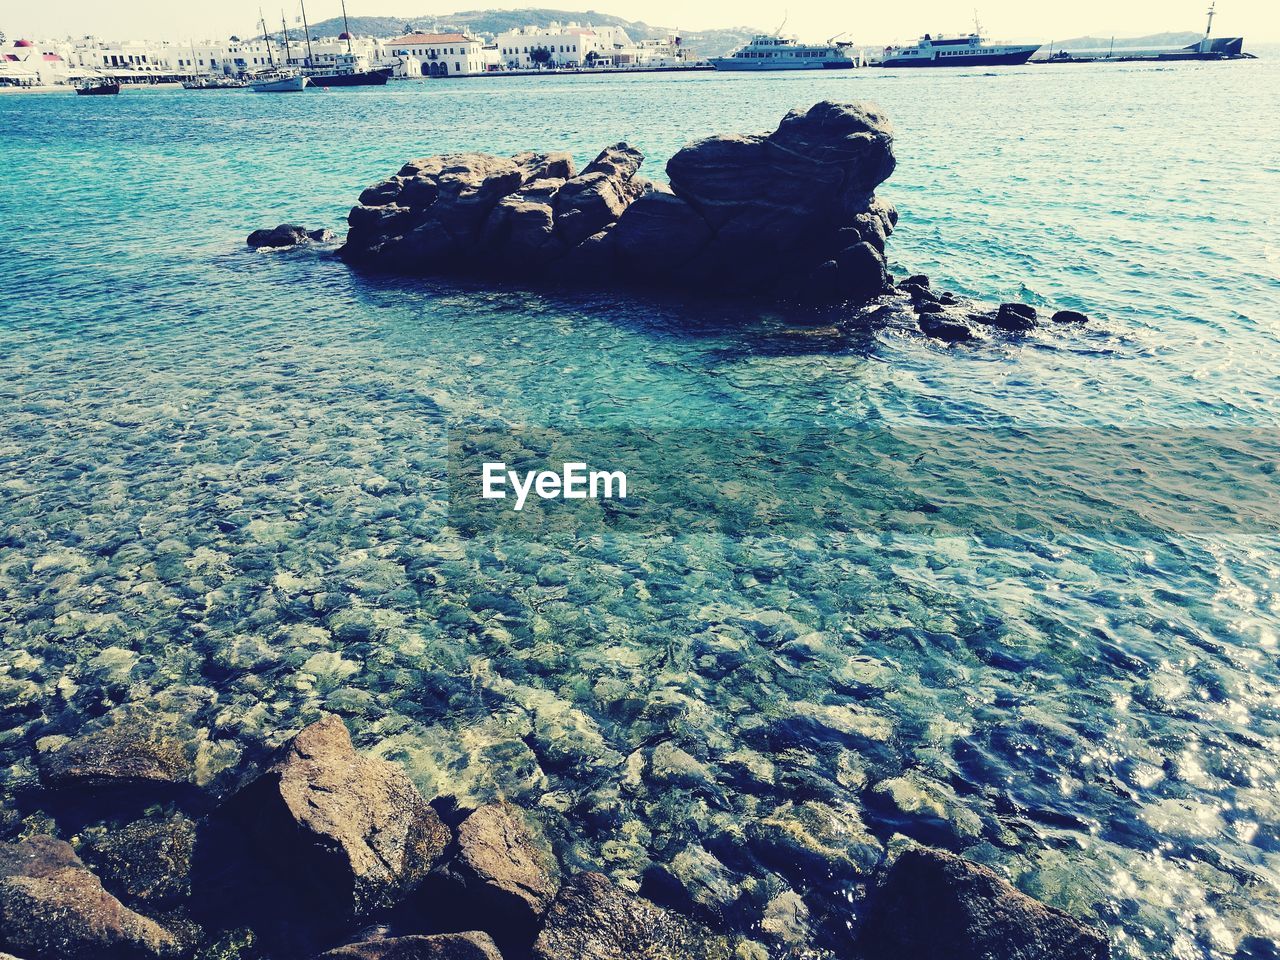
{"points": [[565, 45], [439, 54], [25, 63]]}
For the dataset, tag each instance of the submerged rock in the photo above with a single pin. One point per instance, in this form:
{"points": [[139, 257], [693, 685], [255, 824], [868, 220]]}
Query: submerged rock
{"points": [[813, 841], [131, 751], [758, 214], [53, 908], [355, 828], [935, 905], [591, 919], [287, 235], [440, 946]]}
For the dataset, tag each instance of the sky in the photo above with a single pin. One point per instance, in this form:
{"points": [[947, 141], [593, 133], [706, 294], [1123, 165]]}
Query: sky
{"points": [[1257, 20]]}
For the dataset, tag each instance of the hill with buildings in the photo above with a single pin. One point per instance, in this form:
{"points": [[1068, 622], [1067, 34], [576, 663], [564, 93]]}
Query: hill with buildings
{"points": [[709, 43]]}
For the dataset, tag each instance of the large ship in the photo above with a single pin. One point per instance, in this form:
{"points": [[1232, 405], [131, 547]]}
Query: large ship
{"points": [[787, 53], [347, 70], [970, 51]]}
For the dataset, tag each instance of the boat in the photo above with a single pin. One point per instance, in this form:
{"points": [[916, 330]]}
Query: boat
{"points": [[347, 70], [765, 52], [349, 73], [104, 88], [215, 83], [968, 51], [277, 79]]}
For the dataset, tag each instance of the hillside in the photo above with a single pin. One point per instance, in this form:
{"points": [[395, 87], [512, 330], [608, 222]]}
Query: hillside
{"points": [[706, 42], [1151, 41]]}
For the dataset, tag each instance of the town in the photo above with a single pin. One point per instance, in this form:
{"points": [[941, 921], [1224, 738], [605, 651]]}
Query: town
{"points": [[434, 52], [335, 55]]}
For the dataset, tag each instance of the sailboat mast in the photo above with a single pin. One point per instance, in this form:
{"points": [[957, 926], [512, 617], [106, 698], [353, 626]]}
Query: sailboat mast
{"points": [[346, 27], [285, 30], [307, 30], [266, 37]]}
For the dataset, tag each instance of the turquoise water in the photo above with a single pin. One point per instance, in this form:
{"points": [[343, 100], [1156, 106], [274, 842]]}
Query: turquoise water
{"points": [[224, 490]]}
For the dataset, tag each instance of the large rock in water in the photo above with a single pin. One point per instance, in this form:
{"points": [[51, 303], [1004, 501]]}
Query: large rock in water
{"points": [[791, 214], [356, 829], [935, 905], [53, 908]]}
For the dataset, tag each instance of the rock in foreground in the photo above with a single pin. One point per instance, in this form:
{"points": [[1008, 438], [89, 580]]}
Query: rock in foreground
{"points": [[791, 214], [53, 908], [355, 828], [935, 905], [507, 872]]}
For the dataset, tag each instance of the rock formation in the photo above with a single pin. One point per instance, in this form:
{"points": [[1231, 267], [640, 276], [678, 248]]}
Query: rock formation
{"points": [[791, 214]]}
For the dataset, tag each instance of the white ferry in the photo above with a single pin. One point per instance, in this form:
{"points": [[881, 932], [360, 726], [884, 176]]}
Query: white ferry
{"points": [[787, 53], [970, 51]]}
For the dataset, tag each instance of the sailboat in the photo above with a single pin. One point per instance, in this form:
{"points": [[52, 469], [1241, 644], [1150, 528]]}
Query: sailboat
{"points": [[346, 68], [278, 79]]}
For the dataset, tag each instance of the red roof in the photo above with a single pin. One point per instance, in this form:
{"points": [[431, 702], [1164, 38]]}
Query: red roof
{"points": [[430, 38], [52, 57], [23, 43], [344, 36]]}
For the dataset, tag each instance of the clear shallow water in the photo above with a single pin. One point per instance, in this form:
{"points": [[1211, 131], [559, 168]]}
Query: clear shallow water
{"points": [[223, 481]]}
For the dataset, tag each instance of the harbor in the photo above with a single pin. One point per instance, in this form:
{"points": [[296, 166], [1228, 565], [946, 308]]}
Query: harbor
{"points": [[571, 48]]}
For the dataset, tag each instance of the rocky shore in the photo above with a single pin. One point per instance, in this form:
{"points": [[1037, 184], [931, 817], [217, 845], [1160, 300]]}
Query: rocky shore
{"points": [[319, 851], [789, 216]]}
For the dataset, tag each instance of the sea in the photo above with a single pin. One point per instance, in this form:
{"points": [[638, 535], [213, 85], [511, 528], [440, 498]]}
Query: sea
{"points": [[1018, 597]]}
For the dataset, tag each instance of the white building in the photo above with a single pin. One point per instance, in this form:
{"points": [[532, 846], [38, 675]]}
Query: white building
{"points": [[439, 54], [25, 63], [565, 45], [207, 57]]}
